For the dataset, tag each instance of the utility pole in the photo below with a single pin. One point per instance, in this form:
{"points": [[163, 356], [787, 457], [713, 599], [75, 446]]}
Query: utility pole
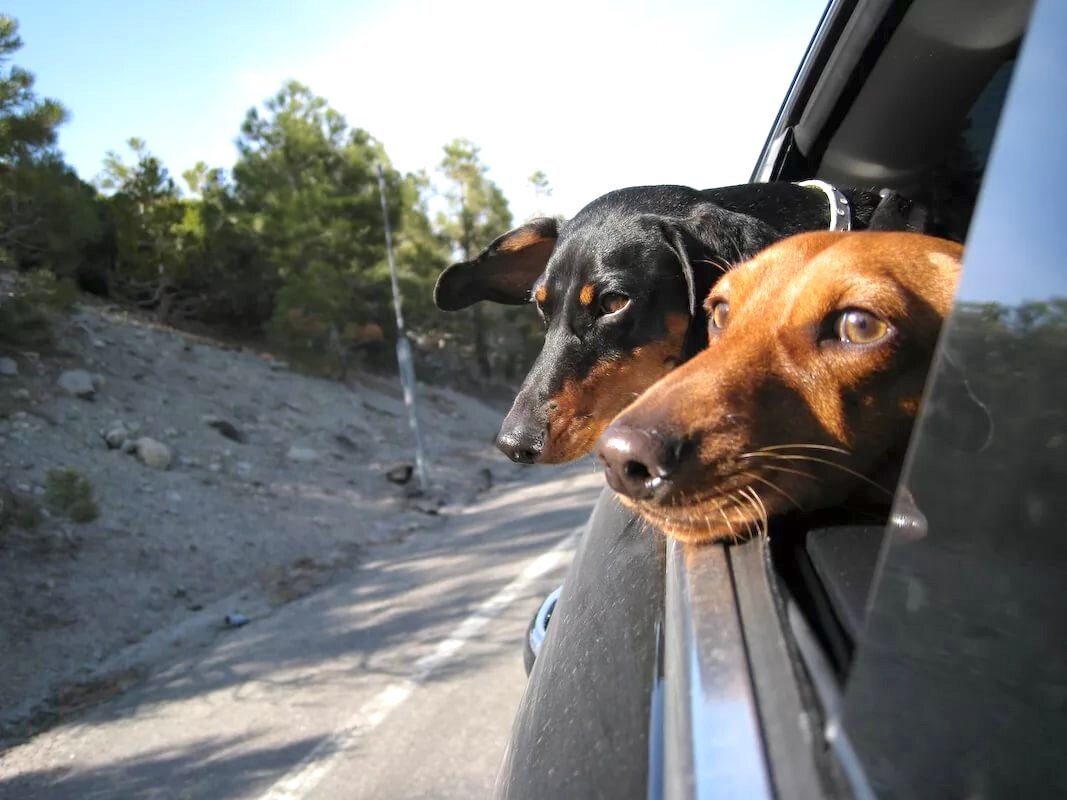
{"points": [[403, 347]]}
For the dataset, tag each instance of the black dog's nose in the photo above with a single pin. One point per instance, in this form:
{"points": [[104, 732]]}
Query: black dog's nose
{"points": [[637, 463], [522, 445]]}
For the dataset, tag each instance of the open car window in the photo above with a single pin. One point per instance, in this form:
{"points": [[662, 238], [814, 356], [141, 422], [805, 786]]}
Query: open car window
{"points": [[909, 100], [906, 645], [957, 680]]}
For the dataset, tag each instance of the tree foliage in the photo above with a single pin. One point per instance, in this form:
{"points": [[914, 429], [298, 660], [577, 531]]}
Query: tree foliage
{"points": [[147, 212], [48, 216], [477, 213], [28, 124], [289, 244], [541, 186]]}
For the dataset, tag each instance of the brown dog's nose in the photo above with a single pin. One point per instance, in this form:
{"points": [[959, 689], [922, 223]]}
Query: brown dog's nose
{"points": [[637, 462]]}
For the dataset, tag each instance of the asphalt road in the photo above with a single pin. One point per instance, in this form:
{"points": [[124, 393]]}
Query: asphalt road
{"points": [[399, 681]]}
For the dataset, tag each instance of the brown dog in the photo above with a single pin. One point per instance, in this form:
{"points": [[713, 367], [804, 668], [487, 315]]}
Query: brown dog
{"points": [[818, 353]]}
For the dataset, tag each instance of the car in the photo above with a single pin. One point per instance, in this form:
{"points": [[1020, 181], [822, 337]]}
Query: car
{"points": [[920, 656]]}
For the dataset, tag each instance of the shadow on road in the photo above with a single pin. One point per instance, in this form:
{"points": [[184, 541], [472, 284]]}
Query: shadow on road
{"points": [[372, 625], [212, 767]]}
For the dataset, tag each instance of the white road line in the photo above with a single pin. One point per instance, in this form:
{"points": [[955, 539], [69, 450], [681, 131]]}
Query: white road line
{"points": [[298, 783]]}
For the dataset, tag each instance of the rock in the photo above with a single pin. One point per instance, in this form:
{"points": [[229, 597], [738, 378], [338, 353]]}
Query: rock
{"points": [[20, 394], [302, 454], [400, 473], [427, 505], [227, 429], [116, 435], [9, 367], [77, 382], [346, 442], [153, 454]]}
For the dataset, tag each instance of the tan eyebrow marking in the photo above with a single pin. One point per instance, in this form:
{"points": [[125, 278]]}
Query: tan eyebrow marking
{"points": [[520, 241], [585, 297], [541, 294]]}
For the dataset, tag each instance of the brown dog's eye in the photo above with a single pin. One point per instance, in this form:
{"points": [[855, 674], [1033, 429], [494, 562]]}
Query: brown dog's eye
{"points": [[613, 302], [720, 315], [860, 327]]}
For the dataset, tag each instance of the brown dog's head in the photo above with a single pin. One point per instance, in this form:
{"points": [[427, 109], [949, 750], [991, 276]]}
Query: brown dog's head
{"points": [[817, 356]]}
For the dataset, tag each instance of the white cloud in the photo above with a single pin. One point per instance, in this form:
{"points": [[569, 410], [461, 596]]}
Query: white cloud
{"points": [[598, 95]]}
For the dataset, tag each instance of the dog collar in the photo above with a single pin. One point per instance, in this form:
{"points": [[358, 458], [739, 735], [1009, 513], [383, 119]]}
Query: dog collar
{"points": [[840, 213]]}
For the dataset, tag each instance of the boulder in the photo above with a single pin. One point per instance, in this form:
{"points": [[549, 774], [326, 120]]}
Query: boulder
{"points": [[227, 429], [346, 442], [153, 454], [400, 473], [116, 435], [77, 382], [303, 455], [9, 367]]}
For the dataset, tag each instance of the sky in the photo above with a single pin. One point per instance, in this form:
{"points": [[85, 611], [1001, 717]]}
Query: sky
{"points": [[598, 95]]}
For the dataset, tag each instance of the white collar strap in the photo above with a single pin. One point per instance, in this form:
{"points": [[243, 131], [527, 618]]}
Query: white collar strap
{"points": [[840, 213]]}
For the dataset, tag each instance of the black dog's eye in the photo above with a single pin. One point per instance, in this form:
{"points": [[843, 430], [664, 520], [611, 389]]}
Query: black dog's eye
{"points": [[719, 316], [613, 303], [856, 326]]}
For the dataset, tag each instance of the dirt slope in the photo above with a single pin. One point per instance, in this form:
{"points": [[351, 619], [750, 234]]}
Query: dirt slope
{"points": [[229, 527]]}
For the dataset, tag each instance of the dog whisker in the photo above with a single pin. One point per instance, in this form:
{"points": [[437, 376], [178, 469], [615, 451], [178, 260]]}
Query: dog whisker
{"points": [[729, 527], [829, 447], [707, 524], [744, 516], [737, 249], [766, 516], [748, 501], [842, 467], [721, 267], [779, 490], [761, 510], [800, 472]]}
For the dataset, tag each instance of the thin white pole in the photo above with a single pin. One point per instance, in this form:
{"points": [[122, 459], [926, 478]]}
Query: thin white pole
{"points": [[403, 347]]}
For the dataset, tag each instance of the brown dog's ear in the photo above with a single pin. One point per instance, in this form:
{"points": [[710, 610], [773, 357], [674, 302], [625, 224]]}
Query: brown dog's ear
{"points": [[504, 272], [717, 236]]}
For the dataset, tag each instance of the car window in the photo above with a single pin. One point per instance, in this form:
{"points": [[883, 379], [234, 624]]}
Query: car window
{"points": [[962, 637], [916, 111]]}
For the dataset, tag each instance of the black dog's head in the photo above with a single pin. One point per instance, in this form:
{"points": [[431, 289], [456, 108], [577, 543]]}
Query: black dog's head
{"points": [[619, 288]]}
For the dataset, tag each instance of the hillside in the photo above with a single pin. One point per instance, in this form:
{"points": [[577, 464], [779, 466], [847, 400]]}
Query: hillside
{"points": [[275, 483]]}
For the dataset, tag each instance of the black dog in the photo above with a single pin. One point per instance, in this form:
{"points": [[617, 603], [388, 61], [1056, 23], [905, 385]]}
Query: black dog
{"points": [[620, 288]]}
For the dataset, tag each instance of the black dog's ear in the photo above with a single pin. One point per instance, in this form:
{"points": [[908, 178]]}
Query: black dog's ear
{"points": [[716, 237], [504, 272]]}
